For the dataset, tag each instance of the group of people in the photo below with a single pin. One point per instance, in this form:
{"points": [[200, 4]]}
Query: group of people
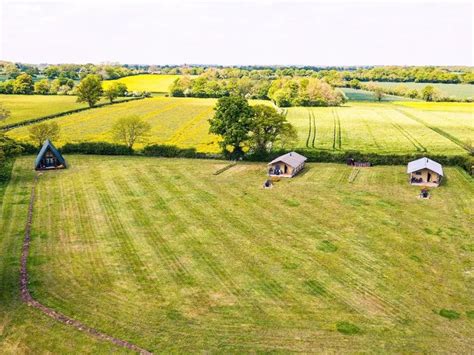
{"points": [[416, 180]]}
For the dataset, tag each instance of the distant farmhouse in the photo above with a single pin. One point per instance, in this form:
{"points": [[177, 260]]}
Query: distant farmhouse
{"points": [[425, 172], [287, 165], [49, 157]]}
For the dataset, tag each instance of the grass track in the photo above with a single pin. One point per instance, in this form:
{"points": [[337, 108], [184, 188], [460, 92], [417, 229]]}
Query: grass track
{"points": [[166, 254]]}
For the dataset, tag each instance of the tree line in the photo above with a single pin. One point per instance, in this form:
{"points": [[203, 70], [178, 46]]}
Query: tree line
{"points": [[284, 92], [428, 93]]}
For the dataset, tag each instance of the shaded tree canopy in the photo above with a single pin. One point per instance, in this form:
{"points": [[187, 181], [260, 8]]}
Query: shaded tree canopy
{"points": [[231, 122]]}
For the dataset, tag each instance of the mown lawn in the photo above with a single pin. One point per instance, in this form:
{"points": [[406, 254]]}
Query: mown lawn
{"points": [[163, 253], [399, 127], [146, 82]]}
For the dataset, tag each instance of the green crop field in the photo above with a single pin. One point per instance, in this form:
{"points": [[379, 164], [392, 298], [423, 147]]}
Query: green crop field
{"points": [[26, 107], [146, 82], [365, 95], [461, 91], [174, 121], [165, 254], [400, 127]]}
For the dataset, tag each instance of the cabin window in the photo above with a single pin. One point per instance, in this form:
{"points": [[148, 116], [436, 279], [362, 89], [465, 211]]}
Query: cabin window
{"points": [[417, 172]]}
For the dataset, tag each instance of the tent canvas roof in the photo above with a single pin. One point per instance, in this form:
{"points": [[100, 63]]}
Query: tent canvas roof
{"points": [[292, 159], [47, 144], [424, 163]]}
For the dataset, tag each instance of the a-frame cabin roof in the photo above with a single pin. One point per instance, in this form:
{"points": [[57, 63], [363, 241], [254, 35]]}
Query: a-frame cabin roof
{"points": [[47, 144]]}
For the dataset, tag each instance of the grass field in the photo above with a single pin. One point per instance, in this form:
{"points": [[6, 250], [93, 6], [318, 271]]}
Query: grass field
{"points": [[365, 95], [398, 127], [163, 253], [26, 107], [461, 91], [146, 82]]}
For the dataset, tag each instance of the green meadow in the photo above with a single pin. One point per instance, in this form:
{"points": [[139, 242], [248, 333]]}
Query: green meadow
{"points": [[387, 127], [164, 253], [27, 107], [460, 91]]}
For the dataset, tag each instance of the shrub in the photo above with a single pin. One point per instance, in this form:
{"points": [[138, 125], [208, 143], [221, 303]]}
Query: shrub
{"points": [[448, 313], [100, 148], [347, 328], [172, 151]]}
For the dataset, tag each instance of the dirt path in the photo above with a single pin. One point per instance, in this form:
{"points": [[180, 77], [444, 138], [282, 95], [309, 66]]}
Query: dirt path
{"points": [[28, 299]]}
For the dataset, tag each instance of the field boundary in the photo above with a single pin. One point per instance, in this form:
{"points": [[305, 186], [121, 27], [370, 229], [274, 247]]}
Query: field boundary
{"points": [[30, 301], [61, 114]]}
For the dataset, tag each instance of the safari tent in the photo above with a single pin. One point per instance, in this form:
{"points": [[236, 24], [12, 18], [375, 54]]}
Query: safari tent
{"points": [[49, 158], [425, 172], [287, 165]]}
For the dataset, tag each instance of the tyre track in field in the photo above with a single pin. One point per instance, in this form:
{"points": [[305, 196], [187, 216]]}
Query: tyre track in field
{"points": [[337, 132], [30, 301], [183, 131], [314, 129], [406, 133], [309, 129], [418, 146], [438, 130]]}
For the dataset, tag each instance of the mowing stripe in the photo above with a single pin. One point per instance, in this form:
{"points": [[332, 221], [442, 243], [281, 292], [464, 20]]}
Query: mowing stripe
{"points": [[30, 301], [182, 132]]}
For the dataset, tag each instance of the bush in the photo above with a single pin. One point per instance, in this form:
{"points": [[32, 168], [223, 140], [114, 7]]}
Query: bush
{"points": [[100, 148], [347, 328], [449, 313], [172, 151], [6, 167]]}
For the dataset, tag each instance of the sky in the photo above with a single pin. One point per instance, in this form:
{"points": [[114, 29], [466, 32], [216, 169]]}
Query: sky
{"points": [[237, 32]]}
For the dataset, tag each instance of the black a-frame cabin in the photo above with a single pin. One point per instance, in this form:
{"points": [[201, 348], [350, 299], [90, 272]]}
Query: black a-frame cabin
{"points": [[49, 158]]}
